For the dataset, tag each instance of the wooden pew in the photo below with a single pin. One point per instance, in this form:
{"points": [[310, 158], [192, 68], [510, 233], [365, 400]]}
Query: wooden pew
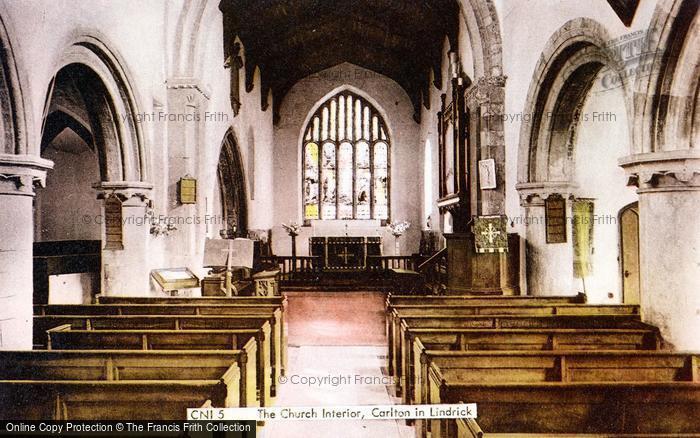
{"points": [[272, 346], [424, 319], [400, 310], [419, 341], [66, 338], [235, 368], [513, 300], [107, 400], [274, 311], [486, 367], [278, 300], [571, 408]]}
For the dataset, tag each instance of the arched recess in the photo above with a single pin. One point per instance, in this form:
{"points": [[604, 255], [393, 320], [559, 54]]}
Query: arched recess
{"points": [[667, 111], [572, 59], [231, 175]]}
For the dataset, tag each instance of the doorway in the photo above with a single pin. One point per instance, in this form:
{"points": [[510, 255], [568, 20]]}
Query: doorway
{"points": [[629, 253]]}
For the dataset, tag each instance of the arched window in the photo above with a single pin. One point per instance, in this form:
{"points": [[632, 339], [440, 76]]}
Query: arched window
{"points": [[346, 161]]}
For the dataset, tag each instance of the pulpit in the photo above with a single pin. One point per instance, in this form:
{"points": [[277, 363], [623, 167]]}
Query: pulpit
{"points": [[344, 254], [471, 272]]}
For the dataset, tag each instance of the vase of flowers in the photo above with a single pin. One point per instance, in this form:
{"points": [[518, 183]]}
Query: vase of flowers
{"points": [[398, 228]]}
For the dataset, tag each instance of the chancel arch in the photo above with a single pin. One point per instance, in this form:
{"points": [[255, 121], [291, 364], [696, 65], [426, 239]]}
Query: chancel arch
{"points": [[232, 188], [577, 97]]}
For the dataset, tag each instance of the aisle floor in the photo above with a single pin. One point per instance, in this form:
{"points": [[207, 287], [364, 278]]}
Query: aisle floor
{"points": [[337, 339]]}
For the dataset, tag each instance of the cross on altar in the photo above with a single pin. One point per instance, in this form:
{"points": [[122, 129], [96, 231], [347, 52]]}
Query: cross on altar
{"points": [[490, 233], [345, 255]]}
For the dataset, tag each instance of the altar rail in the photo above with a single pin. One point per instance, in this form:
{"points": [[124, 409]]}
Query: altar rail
{"points": [[298, 269], [381, 264], [302, 270]]}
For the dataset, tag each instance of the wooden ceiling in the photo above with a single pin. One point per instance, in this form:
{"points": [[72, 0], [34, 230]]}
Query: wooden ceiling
{"points": [[625, 9], [292, 39]]}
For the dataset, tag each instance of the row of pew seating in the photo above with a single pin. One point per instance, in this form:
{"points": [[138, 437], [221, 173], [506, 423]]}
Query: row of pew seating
{"points": [[539, 367], [146, 358]]}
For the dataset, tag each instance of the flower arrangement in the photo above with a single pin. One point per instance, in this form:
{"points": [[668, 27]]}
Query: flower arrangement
{"points": [[399, 227], [160, 226], [292, 229]]}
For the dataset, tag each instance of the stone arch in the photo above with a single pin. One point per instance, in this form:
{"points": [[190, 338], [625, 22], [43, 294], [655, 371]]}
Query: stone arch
{"points": [[232, 182], [667, 111], [189, 38], [570, 62], [13, 123], [485, 34], [113, 111]]}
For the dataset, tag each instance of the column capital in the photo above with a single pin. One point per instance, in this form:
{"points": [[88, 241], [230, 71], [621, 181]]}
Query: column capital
{"points": [[533, 194], [134, 191], [666, 171], [20, 174]]}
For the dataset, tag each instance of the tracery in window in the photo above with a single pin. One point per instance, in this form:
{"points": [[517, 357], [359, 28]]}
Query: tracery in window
{"points": [[346, 161]]}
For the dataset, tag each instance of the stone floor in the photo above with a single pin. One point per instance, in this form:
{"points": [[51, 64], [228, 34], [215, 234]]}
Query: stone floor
{"points": [[326, 334]]}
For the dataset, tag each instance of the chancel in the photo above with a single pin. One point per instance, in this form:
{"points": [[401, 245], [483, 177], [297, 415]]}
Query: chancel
{"points": [[451, 201]]}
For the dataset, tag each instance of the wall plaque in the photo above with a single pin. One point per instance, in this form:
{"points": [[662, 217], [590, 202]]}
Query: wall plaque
{"points": [[555, 219], [113, 223], [187, 189], [487, 174]]}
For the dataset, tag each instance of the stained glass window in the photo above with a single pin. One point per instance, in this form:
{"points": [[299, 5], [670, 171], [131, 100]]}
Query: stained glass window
{"points": [[346, 161]]}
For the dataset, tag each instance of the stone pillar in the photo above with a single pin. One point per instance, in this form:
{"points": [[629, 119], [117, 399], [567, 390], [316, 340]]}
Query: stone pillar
{"points": [[126, 271], [669, 239], [19, 174], [549, 266], [485, 98], [187, 106]]}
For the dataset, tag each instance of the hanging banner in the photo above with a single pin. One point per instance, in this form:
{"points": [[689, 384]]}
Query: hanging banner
{"points": [[583, 238], [490, 234]]}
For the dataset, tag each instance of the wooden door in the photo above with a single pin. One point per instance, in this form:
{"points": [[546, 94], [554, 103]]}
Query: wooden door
{"points": [[629, 251]]}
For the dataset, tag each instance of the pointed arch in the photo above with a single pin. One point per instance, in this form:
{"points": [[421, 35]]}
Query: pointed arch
{"points": [[231, 175], [346, 159]]}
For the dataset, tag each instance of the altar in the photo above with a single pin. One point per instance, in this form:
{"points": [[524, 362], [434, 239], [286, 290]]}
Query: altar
{"points": [[346, 253]]}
